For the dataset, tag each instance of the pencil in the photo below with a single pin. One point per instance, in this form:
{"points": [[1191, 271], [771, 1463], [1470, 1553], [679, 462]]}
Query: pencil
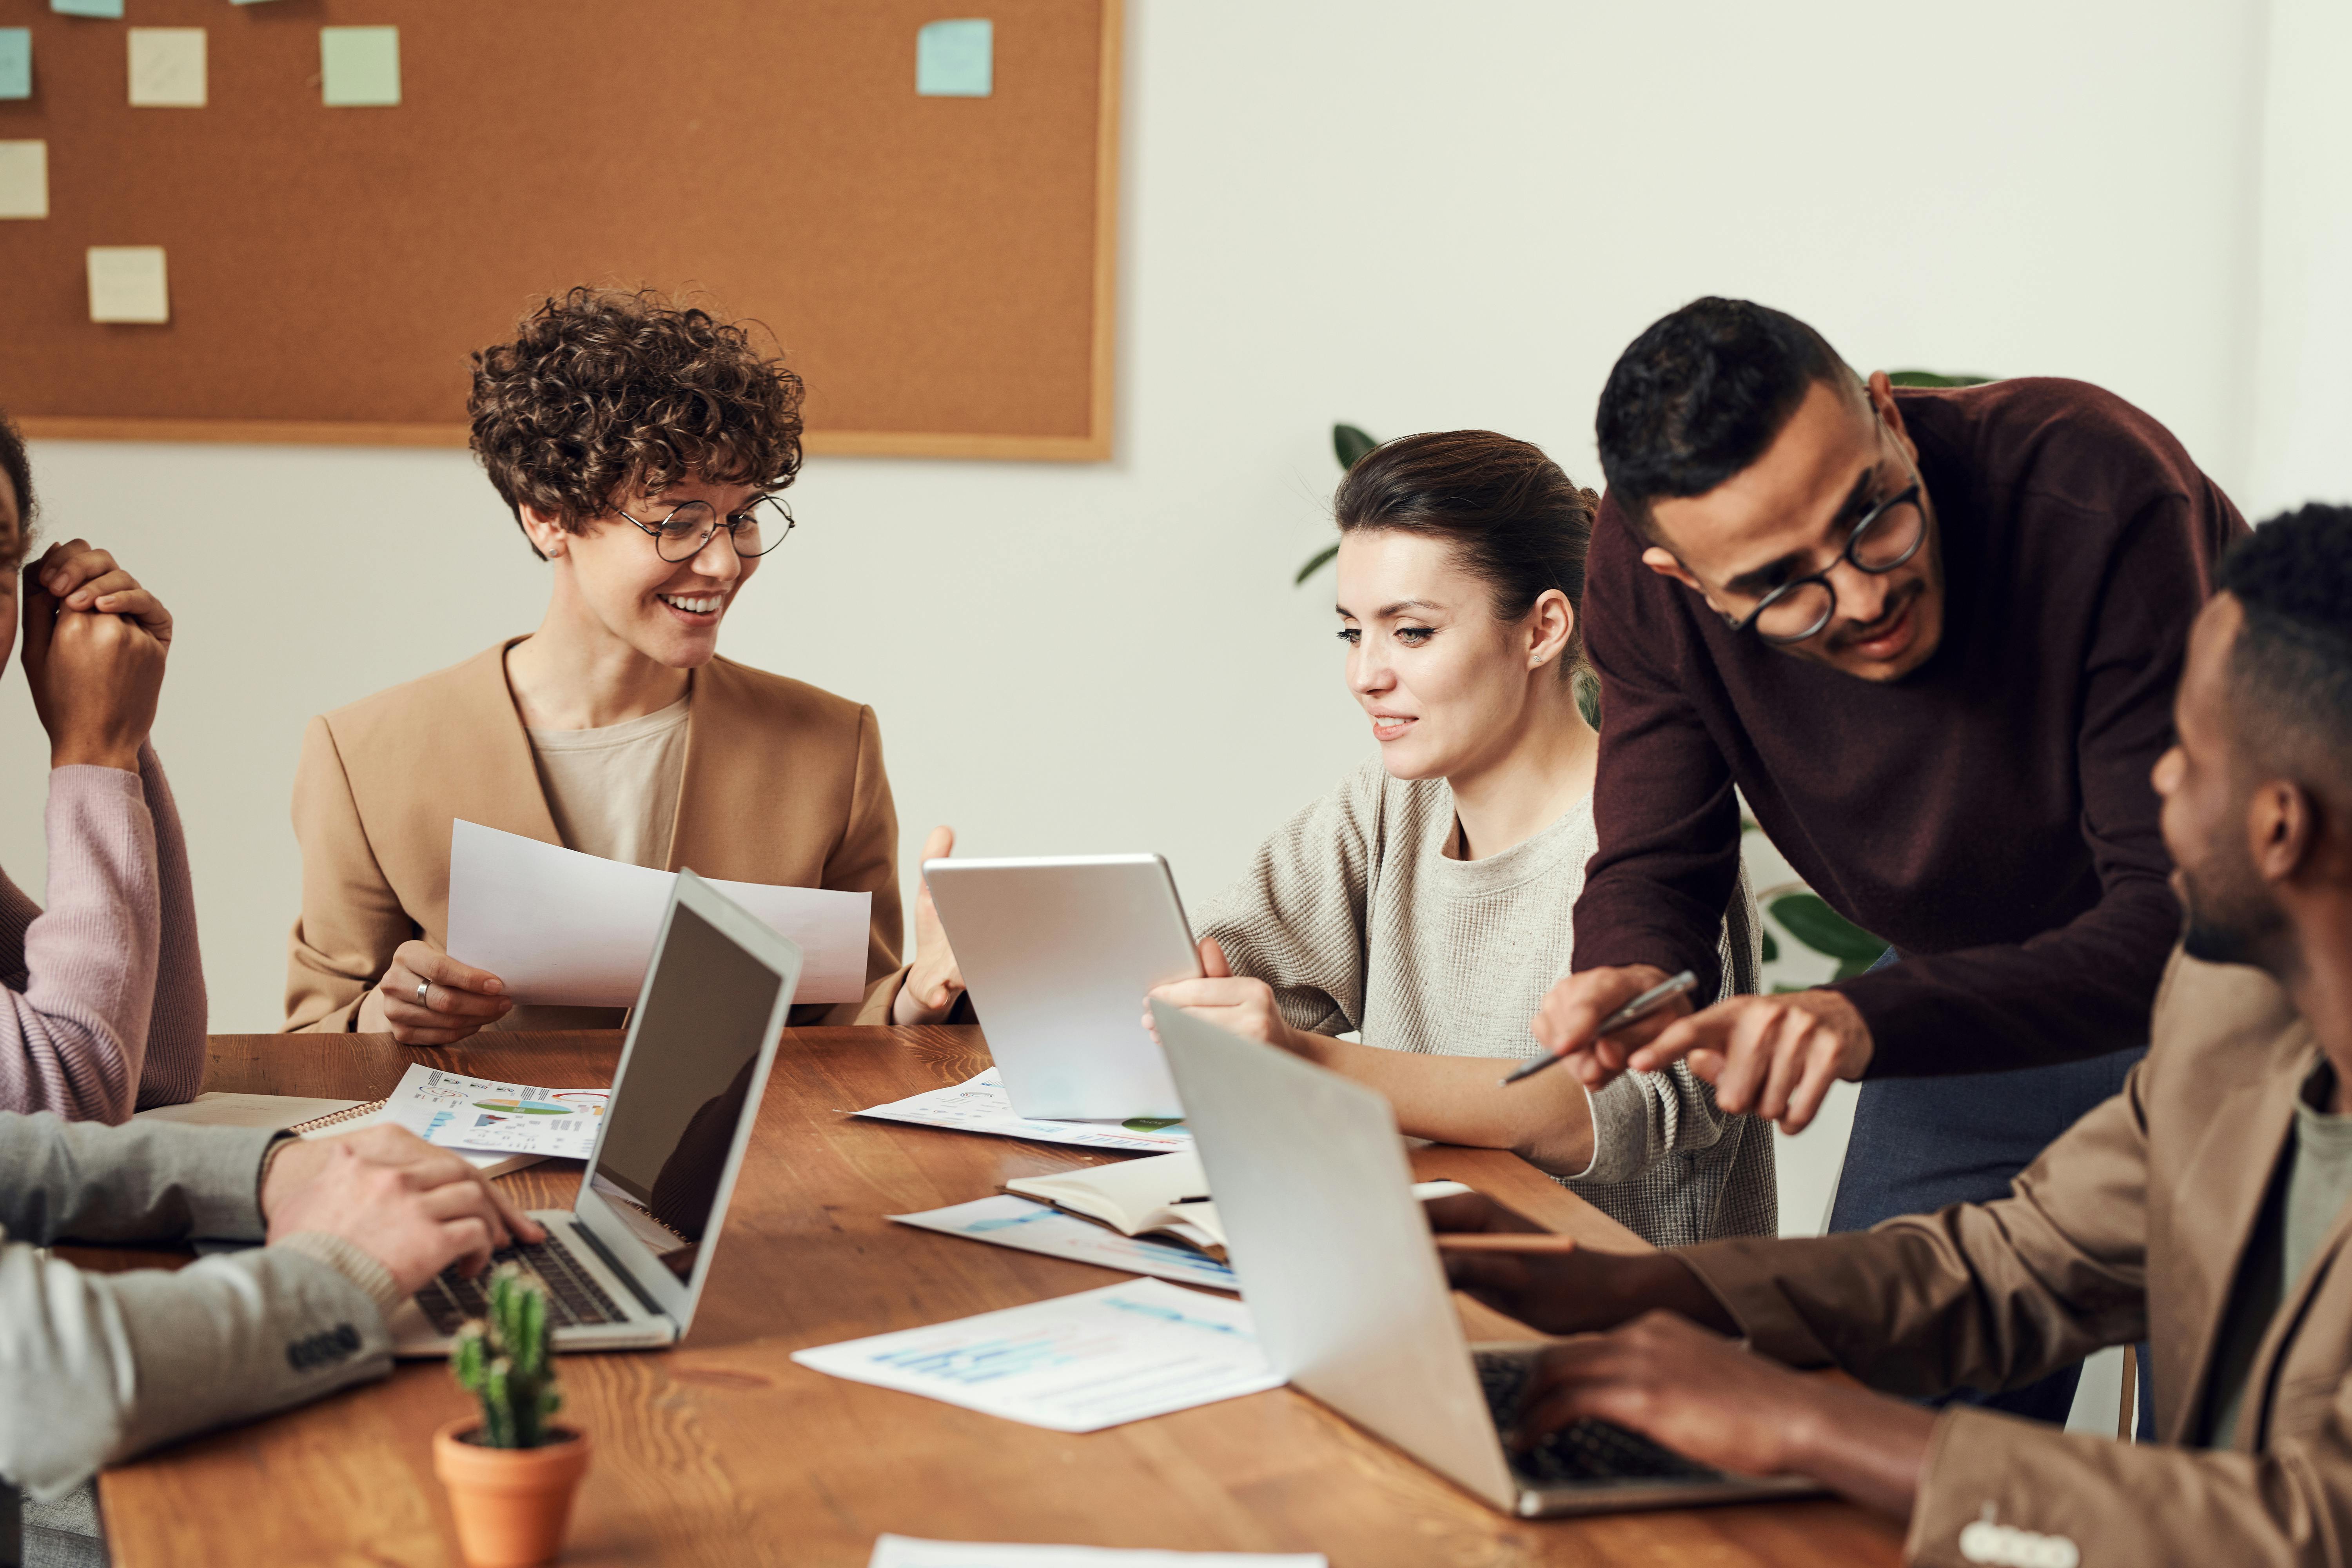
{"points": [[1507, 1241], [1632, 1012]]}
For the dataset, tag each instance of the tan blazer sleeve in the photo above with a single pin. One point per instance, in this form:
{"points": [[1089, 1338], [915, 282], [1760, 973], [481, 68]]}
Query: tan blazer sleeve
{"points": [[1985, 1296], [351, 921], [867, 861], [2130, 1502]]}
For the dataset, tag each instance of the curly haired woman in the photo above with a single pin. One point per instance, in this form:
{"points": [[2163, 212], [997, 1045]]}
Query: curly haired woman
{"points": [[641, 447]]}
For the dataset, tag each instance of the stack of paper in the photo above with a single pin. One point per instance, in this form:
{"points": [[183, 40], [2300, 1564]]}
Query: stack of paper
{"points": [[1077, 1363], [1010, 1221], [981, 1105], [492, 1117]]}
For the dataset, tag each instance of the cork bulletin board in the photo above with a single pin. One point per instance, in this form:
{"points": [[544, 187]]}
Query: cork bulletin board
{"points": [[938, 269]]}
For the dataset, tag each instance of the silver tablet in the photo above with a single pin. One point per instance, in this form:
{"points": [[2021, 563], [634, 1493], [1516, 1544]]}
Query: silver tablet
{"points": [[1058, 952]]}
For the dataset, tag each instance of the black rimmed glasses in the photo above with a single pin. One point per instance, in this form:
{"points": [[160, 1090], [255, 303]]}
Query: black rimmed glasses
{"points": [[756, 530], [1887, 535]]}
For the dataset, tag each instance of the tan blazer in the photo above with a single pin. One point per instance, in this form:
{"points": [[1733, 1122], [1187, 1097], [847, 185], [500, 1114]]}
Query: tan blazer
{"points": [[2131, 1225], [783, 784]]}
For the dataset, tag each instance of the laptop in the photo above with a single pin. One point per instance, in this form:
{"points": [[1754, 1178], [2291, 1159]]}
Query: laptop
{"points": [[626, 1264], [1343, 1282], [1057, 952]]}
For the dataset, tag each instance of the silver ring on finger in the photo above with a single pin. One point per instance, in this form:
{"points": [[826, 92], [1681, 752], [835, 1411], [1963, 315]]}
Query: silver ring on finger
{"points": [[422, 988]]}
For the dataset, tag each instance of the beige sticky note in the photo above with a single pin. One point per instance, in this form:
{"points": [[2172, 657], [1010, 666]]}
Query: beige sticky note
{"points": [[167, 68], [23, 179], [126, 284]]}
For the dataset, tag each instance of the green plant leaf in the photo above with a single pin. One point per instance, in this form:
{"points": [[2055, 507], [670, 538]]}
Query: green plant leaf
{"points": [[1349, 444], [1805, 917], [1314, 564], [1935, 378], [1771, 947]]}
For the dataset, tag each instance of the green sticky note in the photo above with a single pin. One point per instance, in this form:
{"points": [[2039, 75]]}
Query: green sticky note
{"points": [[956, 59], [358, 68], [16, 62], [88, 8]]}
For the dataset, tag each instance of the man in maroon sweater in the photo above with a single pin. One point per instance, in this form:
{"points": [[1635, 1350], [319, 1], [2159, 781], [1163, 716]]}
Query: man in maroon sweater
{"points": [[1932, 636]]}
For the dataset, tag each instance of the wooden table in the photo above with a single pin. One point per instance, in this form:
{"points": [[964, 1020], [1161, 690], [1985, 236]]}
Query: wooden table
{"points": [[722, 1451]]}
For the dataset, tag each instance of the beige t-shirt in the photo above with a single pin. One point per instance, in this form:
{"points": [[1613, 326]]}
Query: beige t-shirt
{"points": [[614, 792]]}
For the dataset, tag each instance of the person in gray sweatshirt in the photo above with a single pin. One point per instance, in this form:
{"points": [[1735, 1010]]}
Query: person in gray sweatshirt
{"points": [[103, 1366]]}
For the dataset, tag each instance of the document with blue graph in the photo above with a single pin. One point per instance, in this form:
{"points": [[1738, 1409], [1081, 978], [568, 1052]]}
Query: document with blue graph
{"points": [[1075, 1364]]}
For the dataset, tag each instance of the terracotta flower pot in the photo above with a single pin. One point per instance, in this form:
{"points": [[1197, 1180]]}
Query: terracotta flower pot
{"points": [[512, 1504]]}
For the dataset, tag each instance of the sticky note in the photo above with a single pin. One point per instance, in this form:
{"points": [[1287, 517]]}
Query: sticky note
{"points": [[957, 59], [358, 68], [167, 68], [88, 8], [23, 179], [16, 62], [126, 284]]}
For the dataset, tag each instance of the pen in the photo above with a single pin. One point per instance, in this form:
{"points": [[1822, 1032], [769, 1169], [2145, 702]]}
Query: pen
{"points": [[1506, 1241], [1632, 1012]]}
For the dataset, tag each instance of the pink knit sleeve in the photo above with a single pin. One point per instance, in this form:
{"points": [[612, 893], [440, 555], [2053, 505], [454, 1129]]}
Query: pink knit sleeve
{"points": [[72, 1038], [174, 1068]]}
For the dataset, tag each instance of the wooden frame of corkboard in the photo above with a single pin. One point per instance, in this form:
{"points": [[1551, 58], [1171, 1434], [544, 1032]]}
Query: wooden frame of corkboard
{"points": [[941, 271]]}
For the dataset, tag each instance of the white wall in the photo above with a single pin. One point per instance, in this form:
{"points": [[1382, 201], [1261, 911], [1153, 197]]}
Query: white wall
{"points": [[1408, 216]]}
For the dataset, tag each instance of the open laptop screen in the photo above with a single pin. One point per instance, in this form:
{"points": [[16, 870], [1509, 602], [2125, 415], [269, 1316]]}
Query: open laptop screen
{"points": [[672, 1124]]}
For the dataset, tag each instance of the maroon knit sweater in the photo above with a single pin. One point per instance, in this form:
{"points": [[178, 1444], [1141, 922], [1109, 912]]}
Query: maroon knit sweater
{"points": [[1990, 814]]}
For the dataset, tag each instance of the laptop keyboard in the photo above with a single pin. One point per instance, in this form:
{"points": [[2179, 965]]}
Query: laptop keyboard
{"points": [[1583, 1451], [573, 1297]]}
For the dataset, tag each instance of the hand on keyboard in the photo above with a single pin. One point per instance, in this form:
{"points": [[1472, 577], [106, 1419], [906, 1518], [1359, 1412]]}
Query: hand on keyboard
{"points": [[412, 1208]]}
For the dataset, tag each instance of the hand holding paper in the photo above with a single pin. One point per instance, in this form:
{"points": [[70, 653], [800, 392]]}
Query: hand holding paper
{"points": [[566, 929]]}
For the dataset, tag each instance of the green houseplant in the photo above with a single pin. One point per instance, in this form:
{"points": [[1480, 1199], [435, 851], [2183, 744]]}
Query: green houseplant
{"points": [[511, 1475]]}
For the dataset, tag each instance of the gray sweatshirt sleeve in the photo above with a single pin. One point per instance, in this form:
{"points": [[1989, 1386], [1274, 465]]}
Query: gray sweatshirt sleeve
{"points": [[102, 1366], [1295, 919], [1643, 1116]]}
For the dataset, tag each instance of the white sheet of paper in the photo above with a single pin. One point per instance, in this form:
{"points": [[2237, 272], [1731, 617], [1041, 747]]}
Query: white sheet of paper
{"points": [[167, 68], [980, 1104], [1009, 1220], [126, 284], [574, 929], [908, 1552], [23, 179], [1076, 1363]]}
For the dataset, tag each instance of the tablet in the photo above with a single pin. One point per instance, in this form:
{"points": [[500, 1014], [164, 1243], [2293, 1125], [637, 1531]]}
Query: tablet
{"points": [[1058, 952]]}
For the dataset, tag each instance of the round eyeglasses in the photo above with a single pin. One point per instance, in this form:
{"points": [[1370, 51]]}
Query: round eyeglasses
{"points": [[755, 530], [1887, 535]]}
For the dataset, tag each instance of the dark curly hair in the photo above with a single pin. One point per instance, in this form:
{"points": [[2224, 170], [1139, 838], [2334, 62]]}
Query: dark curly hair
{"points": [[2291, 665], [1700, 393], [604, 391], [1513, 518], [17, 469]]}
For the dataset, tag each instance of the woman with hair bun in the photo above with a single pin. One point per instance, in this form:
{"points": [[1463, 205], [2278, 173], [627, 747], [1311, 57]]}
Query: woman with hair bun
{"points": [[1425, 902], [642, 448]]}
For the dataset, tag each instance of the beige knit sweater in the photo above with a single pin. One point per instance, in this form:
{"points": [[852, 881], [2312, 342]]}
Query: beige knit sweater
{"points": [[1355, 916]]}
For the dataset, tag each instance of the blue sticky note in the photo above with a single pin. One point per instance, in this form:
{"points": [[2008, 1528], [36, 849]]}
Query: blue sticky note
{"points": [[88, 8], [16, 62], [358, 68], [956, 59]]}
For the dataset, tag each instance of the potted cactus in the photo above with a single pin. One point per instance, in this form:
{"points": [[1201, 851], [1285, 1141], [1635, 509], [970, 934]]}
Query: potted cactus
{"points": [[510, 1474]]}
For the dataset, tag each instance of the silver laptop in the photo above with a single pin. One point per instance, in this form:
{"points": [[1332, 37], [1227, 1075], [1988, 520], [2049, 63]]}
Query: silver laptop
{"points": [[625, 1264], [1336, 1262], [1057, 952]]}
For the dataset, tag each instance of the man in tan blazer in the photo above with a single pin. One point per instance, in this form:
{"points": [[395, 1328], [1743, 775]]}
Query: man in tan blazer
{"points": [[2204, 1208], [641, 447]]}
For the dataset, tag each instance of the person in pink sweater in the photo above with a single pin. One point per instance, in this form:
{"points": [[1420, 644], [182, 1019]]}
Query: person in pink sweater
{"points": [[102, 992]]}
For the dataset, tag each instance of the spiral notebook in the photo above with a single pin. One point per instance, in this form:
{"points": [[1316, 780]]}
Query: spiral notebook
{"points": [[307, 1115]]}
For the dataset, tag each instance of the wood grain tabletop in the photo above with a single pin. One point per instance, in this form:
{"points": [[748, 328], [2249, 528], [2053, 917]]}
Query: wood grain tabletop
{"points": [[723, 1451]]}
